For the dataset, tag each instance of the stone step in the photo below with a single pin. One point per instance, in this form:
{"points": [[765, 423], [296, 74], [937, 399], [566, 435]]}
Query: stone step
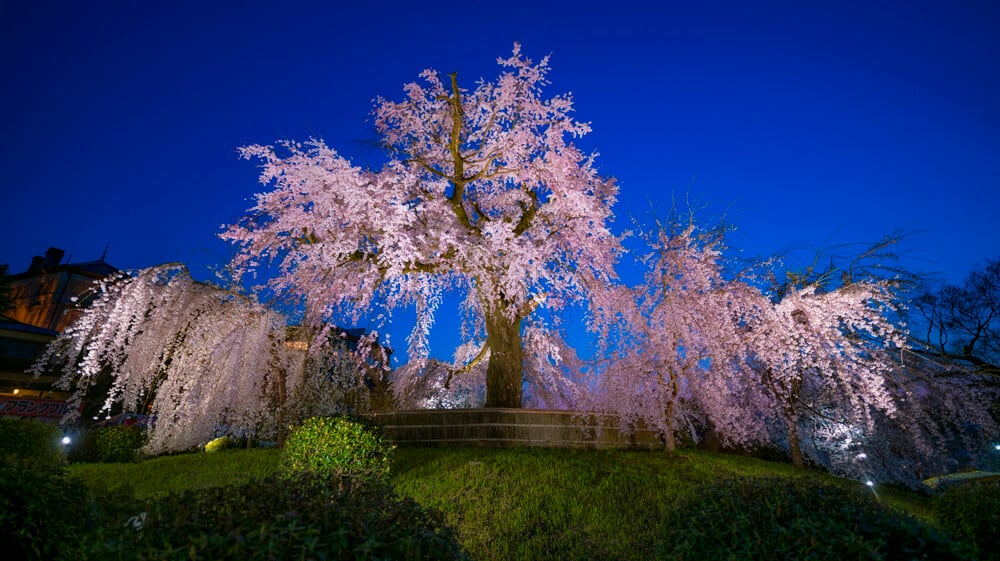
{"points": [[511, 427]]}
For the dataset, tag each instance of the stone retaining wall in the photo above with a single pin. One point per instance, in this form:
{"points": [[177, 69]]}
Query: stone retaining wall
{"points": [[509, 427]]}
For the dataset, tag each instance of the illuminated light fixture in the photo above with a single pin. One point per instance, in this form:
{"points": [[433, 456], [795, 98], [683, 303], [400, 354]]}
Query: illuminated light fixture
{"points": [[66, 440], [870, 483], [16, 391], [862, 456], [996, 446]]}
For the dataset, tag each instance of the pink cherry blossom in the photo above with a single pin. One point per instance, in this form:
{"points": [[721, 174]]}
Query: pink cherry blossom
{"points": [[196, 357], [483, 193]]}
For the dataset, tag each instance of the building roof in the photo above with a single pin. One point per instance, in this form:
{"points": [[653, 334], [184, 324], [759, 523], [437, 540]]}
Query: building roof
{"points": [[97, 269], [52, 262]]}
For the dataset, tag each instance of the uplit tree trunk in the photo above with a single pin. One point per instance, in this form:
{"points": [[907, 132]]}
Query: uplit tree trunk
{"points": [[670, 441], [791, 423], [279, 394], [278, 390], [504, 373], [792, 419], [790, 392]]}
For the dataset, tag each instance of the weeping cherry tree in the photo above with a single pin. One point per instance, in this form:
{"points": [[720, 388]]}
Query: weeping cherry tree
{"points": [[824, 356], [194, 356], [482, 193], [674, 343]]}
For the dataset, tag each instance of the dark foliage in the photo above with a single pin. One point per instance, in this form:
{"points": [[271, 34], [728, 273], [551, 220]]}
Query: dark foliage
{"points": [[971, 513], [40, 508], [30, 439], [114, 444], [275, 518], [778, 518]]}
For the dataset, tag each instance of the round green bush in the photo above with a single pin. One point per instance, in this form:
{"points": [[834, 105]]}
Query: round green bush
{"points": [[117, 444], [971, 513], [28, 438], [225, 442], [778, 518], [338, 446]]}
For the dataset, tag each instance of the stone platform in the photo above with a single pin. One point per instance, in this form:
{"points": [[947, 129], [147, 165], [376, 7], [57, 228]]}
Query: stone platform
{"points": [[510, 427]]}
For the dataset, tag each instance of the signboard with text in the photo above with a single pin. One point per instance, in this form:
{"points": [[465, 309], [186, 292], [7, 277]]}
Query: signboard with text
{"points": [[32, 407]]}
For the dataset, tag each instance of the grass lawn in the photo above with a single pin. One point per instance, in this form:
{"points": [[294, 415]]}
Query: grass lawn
{"points": [[166, 474], [519, 503]]}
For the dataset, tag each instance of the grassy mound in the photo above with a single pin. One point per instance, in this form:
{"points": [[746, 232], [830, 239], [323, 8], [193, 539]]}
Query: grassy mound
{"points": [[761, 518], [520, 503]]}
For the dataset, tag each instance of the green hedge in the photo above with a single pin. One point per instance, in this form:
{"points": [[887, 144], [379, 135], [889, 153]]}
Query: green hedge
{"points": [[41, 510], [26, 438], [971, 513], [779, 518], [47, 516], [338, 446], [115, 444], [275, 518]]}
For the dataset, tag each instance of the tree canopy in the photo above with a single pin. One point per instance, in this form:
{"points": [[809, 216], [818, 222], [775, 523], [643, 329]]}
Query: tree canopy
{"points": [[483, 192]]}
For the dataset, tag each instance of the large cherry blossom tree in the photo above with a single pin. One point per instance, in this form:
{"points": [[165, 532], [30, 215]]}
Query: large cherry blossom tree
{"points": [[196, 357], [483, 192]]}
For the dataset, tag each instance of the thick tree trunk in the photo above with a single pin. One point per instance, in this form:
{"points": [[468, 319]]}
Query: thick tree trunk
{"points": [[279, 395], [504, 373], [282, 416], [793, 441], [670, 444]]}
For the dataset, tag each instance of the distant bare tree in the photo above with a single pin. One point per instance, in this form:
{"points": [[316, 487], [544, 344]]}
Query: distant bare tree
{"points": [[963, 322]]}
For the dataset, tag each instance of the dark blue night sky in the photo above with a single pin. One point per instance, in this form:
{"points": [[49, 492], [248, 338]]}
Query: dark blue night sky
{"points": [[809, 124]]}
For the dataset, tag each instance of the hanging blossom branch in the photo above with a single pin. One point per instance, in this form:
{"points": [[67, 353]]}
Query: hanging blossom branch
{"points": [[673, 343], [192, 355]]}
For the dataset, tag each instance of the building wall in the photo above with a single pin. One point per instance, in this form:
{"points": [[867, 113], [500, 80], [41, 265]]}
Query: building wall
{"points": [[43, 299], [43, 296], [46, 299]]}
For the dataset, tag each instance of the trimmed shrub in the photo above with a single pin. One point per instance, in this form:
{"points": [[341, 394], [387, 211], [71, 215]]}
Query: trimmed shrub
{"points": [[778, 518], [221, 443], [115, 444], [338, 446], [41, 510], [274, 518], [30, 439], [971, 513]]}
